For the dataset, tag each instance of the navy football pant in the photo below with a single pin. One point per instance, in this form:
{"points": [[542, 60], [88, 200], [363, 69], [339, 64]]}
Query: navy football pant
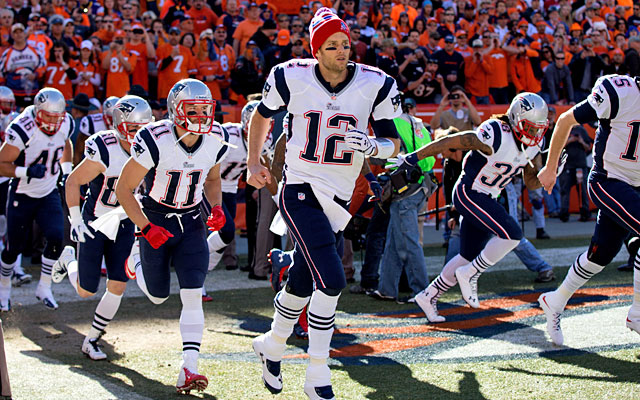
{"points": [[187, 251], [483, 217], [618, 214], [22, 210], [115, 254], [318, 250]]}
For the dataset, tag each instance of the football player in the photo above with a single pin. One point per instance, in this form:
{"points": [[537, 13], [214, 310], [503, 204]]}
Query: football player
{"points": [[36, 150], [93, 123], [104, 156], [502, 147], [613, 187], [179, 160], [330, 101]]}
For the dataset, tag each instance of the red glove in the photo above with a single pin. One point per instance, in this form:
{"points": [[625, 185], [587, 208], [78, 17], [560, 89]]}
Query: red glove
{"points": [[216, 220], [155, 235]]}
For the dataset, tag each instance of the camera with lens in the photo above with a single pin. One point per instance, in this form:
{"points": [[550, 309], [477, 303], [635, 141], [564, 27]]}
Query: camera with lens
{"points": [[119, 41], [454, 96]]}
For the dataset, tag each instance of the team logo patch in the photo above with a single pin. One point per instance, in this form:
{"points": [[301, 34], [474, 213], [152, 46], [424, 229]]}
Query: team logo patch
{"points": [[332, 107], [485, 134], [599, 100], [395, 101], [301, 196], [90, 151], [138, 149], [265, 90]]}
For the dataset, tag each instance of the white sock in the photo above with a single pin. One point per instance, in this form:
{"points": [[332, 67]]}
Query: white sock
{"points": [[6, 270], [105, 311], [448, 272], [72, 274], [441, 285], [288, 308], [143, 286], [45, 271], [634, 312], [579, 273], [318, 373], [215, 243], [191, 326], [322, 315]]}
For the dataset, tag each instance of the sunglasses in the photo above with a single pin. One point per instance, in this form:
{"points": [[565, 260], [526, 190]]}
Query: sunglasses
{"points": [[296, 26], [138, 31], [559, 58]]}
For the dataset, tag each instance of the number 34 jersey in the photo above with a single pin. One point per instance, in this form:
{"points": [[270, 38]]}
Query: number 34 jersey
{"points": [[104, 148], [37, 148], [490, 174], [176, 172], [320, 117]]}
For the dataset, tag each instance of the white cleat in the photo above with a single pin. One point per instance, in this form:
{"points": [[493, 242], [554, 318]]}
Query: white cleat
{"points": [[271, 375], [468, 280], [633, 324], [553, 320], [44, 294], [189, 380], [59, 269], [317, 385], [5, 297], [427, 300], [91, 348], [19, 277], [133, 261], [319, 392]]}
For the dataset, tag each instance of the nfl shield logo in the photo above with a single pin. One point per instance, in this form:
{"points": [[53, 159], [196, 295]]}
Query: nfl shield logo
{"points": [[301, 196]]}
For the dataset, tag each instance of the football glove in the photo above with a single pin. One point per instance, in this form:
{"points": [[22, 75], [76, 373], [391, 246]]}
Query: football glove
{"points": [[78, 229], [216, 220], [155, 235], [359, 141], [375, 187]]}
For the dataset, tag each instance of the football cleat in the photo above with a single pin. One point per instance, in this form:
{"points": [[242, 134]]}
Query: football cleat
{"points": [[300, 332], [44, 294], [319, 393], [19, 277], [553, 320], [271, 376], [633, 324], [133, 261], [59, 270], [188, 381], [468, 280], [91, 349], [280, 263], [428, 300]]}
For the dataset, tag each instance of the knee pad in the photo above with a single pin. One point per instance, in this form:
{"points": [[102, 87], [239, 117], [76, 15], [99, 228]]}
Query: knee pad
{"points": [[536, 203], [331, 292]]}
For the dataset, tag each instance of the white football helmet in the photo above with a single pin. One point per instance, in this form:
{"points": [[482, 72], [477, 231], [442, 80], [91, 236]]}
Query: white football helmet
{"points": [[185, 94], [130, 113], [528, 116], [7, 100], [245, 116], [50, 110], [107, 110], [7, 120]]}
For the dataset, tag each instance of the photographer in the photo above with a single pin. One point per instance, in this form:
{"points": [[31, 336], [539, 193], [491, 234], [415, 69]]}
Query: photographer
{"points": [[575, 173], [477, 68], [118, 63], [425, 85], [460, 114], [586, 67], [403, 249]]}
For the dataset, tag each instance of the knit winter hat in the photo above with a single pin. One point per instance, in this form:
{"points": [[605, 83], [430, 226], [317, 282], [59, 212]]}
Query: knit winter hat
{"points": [[324, 24]]}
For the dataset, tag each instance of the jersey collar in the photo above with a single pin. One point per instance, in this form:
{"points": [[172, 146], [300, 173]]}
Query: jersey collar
{"points": [[189, 150], [351, 71]]}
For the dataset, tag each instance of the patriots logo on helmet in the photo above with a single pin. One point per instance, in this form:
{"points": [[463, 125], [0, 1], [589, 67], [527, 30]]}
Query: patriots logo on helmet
{"points": [[396, 101], [138, 149], [42, 98], [525, 105], [178, 88], [126, 108]]}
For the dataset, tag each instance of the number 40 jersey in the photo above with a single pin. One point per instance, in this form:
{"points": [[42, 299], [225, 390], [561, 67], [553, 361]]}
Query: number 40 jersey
{"points": [[320, 117]]}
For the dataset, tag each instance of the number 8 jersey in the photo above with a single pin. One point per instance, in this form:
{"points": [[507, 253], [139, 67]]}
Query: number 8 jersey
{"points": [[319, 117], [176, 173], [37, 148], [490, 174]]}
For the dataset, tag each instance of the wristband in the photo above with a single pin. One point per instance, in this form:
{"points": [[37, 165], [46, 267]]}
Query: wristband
{"points": [[74, 213], [146, 229], [370, 177], [386, 148], [66, 167], [412, 158], [21, 172]]}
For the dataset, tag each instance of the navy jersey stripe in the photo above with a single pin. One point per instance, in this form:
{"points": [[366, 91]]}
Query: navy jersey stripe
{"points": [[151, 145], [473, 165], [584, 113], [72, 126], [385, 128], [497, 136], [224, 148], [23, 135], [613, 98], [104, 153], [384, 91], [600, 145], [281, 85], [92, 128]]}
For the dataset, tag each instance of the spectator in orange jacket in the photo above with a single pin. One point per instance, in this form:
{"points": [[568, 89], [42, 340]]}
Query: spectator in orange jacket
{"points": [[175, 62], [60, 69], [521, 71], [477, 68], [118, 63]]}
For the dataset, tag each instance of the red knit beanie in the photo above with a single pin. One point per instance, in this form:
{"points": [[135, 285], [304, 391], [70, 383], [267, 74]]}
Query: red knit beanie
{"points": [[324, 24]]}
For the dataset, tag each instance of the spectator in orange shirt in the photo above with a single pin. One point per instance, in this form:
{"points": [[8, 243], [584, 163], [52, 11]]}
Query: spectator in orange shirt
{"points": [[108, 30], [175, 62], [403, 26], [6, 20], [142, 46], [118, 63], [208, 70], [69, 38], [203, 17], [88, 75], [477, 68], [60, 72], [462, 44], [37, 38], [521, 71], [226, 59], [246, 28], [542, 36], [404, 6]]}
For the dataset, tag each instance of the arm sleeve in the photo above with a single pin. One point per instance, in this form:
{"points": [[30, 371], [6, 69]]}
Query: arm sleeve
{"points": [[584, 113], [15, 136], [604, 99], [385, 128], [276, 92], [387, 102], [145, 150], [490, 133]]}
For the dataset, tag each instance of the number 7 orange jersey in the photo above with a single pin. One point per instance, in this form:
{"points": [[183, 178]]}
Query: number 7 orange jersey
{"points": [[56, 77], [181, 67]]}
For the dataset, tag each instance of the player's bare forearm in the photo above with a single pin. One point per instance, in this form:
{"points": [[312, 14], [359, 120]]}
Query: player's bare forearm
{"points": [[466, 140], [67, 153], [78, 149], [271, 186], [559, 137], [530, 176], [278, 157], [258, 130], [8, 154], [81, 175], [213, 186], [130, 177]]}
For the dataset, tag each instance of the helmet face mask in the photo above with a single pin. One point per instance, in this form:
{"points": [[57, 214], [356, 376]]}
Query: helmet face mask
{"points": [[130, 114], [528, 116], [7, 100], [245, 116], [191, 106], [530, 133], [49, 106], [107, 110]]}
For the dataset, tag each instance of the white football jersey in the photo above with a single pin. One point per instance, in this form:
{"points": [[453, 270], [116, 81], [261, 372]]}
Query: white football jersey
{"points": [[235, 163], [320, 117], [5, 121], [37, 148], [92, 123], [616, 100], [176, 173], [104, 148], [490, 174]]}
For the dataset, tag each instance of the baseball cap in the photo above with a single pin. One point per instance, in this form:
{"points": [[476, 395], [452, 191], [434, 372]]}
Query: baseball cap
{"points": [[574, 41], [361, 14], [174, 29], [431, 60], [220, 26], [251, 43], [461, 33], [449, 39], [16, 27], [430, 20], [521, 42], [477, 43], [468, 6], [283, 37], [252, 5], [119, 33], [67, 22], [483, 11], [34, 15], [56, 19], [86, 44], [409, 102]]}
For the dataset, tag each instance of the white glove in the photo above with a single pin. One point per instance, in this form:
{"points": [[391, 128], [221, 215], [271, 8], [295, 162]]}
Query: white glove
{"points": [[395, 162], [359, 141], [78, 228]]}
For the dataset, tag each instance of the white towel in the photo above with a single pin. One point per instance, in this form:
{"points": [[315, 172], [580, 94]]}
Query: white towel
{"points": [[337, 215], [109, 223]]}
